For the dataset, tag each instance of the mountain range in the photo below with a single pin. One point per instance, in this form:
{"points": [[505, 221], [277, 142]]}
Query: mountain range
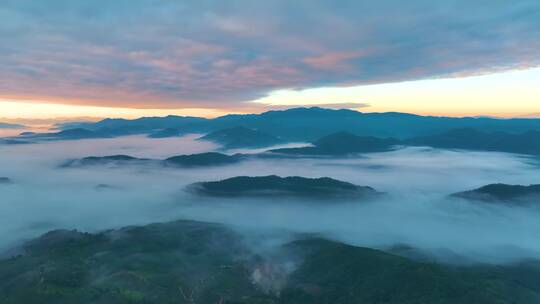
{"points": [[332, 132], [309, 124]]}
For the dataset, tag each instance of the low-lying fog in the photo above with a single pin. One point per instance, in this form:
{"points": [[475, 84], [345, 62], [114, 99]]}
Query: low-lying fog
{"points": [[416, 212]]}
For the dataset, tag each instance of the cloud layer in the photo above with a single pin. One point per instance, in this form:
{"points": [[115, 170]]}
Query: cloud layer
{"points": [[415, 212], [156, 53]]}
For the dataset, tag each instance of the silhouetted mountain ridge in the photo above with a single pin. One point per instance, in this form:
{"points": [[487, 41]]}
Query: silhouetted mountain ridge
{"points": [[308, 124]]}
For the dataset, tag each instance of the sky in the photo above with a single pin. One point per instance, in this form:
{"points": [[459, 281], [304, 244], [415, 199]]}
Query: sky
{"points": [[129, 58]]}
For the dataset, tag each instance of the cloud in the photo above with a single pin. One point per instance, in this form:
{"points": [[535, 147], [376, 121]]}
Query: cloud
{"points": [[332, 61], [156, 53], [45, 197], [532, 115], [337, 105]]}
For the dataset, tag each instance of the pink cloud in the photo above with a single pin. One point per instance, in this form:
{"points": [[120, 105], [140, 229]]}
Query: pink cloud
{"points": [[333, 60]]}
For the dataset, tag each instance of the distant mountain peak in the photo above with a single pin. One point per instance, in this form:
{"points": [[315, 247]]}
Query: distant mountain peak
{"points": [[502, 193], [309, 111]]}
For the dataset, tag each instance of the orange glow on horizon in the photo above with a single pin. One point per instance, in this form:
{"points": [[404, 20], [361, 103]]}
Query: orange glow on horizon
{"points": [[28, 110], [46, 114], [505, 95]]}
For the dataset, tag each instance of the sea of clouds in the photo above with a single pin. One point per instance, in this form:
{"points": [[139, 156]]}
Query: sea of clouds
{"points": [[416, 210]]}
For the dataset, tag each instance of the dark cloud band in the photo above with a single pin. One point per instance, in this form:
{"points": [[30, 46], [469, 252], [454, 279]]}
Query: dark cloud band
{"points": [[218, 54]]}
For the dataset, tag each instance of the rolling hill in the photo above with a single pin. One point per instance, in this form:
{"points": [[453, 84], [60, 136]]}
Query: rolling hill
{"points": [[275, 186], [193, 262]]}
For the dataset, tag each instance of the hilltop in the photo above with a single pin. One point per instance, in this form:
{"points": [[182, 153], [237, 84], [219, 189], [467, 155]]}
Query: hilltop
{"points": [[275, 186], [503, 193]]}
